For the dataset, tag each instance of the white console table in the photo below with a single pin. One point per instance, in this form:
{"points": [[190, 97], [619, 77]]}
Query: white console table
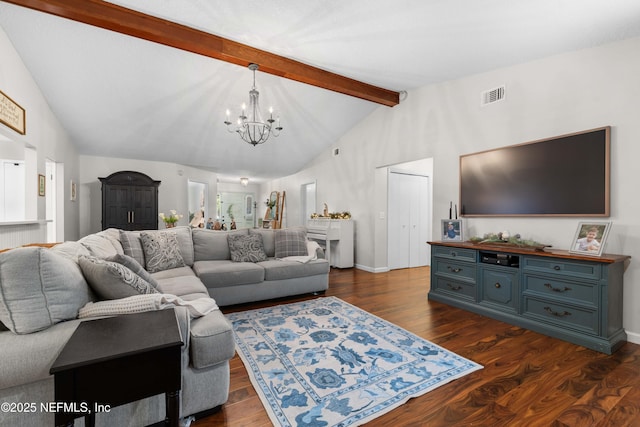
{"points": [[336, 238]]}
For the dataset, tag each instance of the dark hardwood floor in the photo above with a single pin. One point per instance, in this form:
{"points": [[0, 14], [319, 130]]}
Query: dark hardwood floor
{"points": [[528, 379]]}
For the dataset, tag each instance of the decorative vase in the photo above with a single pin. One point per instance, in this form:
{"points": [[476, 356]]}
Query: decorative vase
{"points": [[170, 224]]}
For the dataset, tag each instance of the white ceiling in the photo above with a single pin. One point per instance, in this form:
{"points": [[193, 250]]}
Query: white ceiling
{"points": [[119, 96]]}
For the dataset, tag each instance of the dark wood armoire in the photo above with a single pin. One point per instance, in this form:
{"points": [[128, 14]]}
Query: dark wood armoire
{"points": [[129, 201]]}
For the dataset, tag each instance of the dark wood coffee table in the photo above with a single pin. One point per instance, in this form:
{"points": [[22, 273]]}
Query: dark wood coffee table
{"points": [[112, 361]]}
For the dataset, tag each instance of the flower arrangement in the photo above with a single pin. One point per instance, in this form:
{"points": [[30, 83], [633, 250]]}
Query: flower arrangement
{"points": [[171, 219]]}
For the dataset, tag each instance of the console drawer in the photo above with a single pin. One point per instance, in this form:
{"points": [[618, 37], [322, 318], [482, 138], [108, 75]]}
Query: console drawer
{"points": [[566, 316], [454, 253], [461, 290], [459, 270], [546, 287], [584, 270]]}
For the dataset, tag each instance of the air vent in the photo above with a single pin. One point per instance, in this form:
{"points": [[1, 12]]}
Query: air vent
{"points": [[491, 96]]}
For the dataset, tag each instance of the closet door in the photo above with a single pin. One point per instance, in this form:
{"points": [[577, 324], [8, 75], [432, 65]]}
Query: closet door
{"points": [[407, 220]]}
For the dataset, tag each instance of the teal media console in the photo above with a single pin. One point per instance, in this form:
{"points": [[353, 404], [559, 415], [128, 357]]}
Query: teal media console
{"points": [[572, 297]]}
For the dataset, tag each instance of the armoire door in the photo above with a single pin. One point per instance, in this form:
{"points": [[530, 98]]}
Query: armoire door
{"points": [[116, 203], [144, 207]]}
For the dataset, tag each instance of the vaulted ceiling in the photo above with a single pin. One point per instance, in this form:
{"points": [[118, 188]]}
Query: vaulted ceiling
{"points": [[122, 96]]}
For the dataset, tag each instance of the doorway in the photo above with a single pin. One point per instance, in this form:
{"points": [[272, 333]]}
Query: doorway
{"points": [[409, 216], [51, 200]]}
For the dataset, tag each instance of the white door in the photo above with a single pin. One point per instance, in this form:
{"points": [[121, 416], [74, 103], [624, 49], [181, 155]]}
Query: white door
{"points": [[12, 195], [408, 220]]}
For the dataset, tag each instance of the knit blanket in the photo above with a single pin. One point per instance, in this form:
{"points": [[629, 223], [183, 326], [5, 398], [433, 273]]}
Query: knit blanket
{"points": [[149, 302]]}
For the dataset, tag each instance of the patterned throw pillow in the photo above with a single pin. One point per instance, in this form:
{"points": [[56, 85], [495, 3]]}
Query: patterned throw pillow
{"points": [[246, 248], [291, 243], [161, 250], [111, 280], [134, 266]]}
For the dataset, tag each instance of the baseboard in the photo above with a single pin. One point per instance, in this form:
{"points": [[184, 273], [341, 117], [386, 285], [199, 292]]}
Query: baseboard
{"points": [[371, 269], [633, 337]]}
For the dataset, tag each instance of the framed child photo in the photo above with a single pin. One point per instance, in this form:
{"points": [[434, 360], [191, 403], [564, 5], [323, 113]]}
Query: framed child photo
{"points": [[451, 230], [590, 238]]}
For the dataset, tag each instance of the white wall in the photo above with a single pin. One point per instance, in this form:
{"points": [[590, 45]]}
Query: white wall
{"points": [[172, 193], [44, 134], [558, 95]]}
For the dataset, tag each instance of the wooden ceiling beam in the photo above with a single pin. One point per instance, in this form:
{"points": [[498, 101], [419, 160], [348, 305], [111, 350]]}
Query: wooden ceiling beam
{"points": [[126, 21]]}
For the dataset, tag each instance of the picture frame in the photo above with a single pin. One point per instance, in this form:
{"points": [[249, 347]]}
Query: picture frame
{"points": [[12, 114], [451, 230], [41, 185], [72, 196], [590, 238]]}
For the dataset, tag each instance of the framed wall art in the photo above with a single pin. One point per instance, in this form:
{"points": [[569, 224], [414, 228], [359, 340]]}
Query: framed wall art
{"points": [[12, 115], [41, 185]]}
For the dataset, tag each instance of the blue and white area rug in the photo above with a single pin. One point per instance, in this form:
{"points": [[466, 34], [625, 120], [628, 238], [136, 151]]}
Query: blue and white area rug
{"points": [[325, 362]]}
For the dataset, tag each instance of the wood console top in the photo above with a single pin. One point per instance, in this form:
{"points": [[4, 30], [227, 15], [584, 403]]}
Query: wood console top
{"points": [[548, 252]]}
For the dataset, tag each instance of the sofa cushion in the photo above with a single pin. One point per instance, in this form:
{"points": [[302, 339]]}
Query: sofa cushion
{"points": [[212, 245], [161, 250], [113, 235], [39, 288], [174, 272], [111, 280], [221, 273], [28, 358], [98, 245], [71, 250], [268, 240], [275, 269], [246, 248], [211, 340], [290, 242], [134, 266], [186, 287], [132, 246]]}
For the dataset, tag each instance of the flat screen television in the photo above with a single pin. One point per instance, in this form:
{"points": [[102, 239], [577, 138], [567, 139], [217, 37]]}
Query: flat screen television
{"points": [[566, 175]]}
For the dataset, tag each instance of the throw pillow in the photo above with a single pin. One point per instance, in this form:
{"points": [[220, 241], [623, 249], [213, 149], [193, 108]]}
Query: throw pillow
{"points": [[132, 246], [246, 248], [111, 280], [39, 288], [161, 250], [134, 266], [290, 243]]}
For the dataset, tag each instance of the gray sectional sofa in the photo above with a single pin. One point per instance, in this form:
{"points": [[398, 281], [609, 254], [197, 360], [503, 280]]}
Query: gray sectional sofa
{"points": [[43, 290]]}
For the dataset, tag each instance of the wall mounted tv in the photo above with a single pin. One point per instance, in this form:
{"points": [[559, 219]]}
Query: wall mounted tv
{"points": [[563, 176]]}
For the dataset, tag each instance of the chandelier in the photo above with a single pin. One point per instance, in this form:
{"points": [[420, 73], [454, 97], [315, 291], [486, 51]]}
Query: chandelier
{"points": [[250, 125]]}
